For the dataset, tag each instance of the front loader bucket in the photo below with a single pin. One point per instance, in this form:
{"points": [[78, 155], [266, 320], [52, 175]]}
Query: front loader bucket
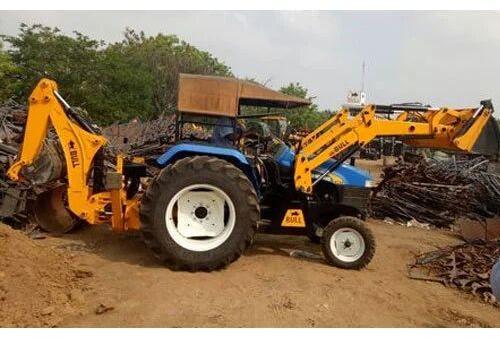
{"points": [[488, 143]]}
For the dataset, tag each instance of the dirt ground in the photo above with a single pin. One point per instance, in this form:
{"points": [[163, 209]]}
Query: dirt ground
{"points": [[39, 284], [110, 280]]}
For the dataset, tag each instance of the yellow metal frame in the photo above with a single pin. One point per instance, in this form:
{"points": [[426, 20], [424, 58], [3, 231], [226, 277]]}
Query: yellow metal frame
{"points": [[442, 129], [79, 147]]}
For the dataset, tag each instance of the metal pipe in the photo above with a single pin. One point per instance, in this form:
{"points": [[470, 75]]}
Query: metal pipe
{"points": [[75, 116], [60, 98], [338, 162]]}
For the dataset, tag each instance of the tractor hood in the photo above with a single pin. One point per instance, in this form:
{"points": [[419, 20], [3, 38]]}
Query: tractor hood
{"points": [[345, 174]]}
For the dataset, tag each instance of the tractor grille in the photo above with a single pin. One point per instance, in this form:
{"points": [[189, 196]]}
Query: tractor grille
{"points": [[356, 197]]}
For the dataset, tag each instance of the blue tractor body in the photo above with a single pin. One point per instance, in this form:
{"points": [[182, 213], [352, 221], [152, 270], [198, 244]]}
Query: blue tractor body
{"points": [[344, 191], [187, 149], [347, 175]]}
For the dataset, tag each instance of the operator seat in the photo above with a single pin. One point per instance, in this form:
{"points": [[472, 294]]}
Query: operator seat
{"points": [[226, 132]]}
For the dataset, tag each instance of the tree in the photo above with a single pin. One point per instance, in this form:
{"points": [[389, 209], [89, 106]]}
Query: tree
{"points": [[40, 51], [166, 56], [81, 67], [8, 76], [308, 117], [124, 90], [137, 77]]}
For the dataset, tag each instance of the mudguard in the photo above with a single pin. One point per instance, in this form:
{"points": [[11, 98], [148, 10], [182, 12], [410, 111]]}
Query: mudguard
{"points": [[231, 155]]}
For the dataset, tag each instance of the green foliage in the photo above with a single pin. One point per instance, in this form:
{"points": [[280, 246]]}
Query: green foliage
{"points": [[165, 56], [137, 77], [308, 117], [43, 51], [124, 89], [8, 76]]}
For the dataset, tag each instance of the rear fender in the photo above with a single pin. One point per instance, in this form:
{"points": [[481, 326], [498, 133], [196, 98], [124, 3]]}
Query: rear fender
{"points": [[230, 155]]}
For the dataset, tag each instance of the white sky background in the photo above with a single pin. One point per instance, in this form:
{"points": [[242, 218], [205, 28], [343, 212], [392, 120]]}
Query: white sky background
{"points": [[442, 58]]}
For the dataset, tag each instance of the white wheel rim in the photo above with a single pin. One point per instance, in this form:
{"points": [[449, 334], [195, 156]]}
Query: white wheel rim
{"points": [[347, 244], [200, 217]]}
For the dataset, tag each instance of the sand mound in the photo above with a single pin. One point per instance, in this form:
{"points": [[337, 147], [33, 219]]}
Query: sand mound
{"points": [[38, 285]]}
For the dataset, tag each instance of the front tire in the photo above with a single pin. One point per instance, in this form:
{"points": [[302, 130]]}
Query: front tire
{"points": [[200, 213], [347, 243]]}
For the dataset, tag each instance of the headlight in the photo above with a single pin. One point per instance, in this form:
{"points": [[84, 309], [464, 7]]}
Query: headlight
{"points": [[327, 178], [370, 184]]}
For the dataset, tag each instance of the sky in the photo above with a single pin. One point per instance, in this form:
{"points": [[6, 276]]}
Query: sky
{"points": [[440, 58]]}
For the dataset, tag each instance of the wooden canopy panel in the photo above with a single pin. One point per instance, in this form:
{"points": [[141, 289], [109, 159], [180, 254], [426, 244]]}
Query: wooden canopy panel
{"points": [[222, 96]]}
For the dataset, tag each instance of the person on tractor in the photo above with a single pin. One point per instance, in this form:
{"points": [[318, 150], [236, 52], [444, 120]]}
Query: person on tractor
{"points": [[227, 132]]}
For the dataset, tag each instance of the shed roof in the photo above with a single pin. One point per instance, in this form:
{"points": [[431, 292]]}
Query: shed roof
{"points": [[216, 95]]}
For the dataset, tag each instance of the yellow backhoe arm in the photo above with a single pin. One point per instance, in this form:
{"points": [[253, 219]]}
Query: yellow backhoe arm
{"points": [[443, 128], [79, 146]]}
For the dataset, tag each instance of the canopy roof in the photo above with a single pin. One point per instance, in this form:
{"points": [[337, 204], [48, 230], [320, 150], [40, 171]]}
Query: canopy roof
{"points": [[216, 95]]}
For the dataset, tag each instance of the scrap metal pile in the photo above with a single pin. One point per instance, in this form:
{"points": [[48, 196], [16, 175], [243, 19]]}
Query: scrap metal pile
{"points": [[142, 138], [14, 196], [150, 138], [437, 192], [466, 266]]}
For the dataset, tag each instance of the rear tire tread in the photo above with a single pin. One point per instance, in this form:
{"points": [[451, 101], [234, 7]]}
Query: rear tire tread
{"points": [[161, 182]]}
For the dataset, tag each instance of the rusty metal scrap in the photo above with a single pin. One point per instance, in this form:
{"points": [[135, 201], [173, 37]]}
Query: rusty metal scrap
{"points": [[12, 195], [42, 174], [149, 139], [139, 138], [466, 267], [437, 192]]}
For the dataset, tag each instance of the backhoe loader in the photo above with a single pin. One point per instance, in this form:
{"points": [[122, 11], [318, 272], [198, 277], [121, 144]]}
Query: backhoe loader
{"points": [[212, 195]]}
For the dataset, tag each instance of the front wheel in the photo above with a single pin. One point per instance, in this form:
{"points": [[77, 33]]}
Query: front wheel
{"points": [[347, 243]]}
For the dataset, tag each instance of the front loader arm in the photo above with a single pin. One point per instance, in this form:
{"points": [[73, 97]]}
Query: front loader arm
{"points": [[430, 128], [79, 146]]}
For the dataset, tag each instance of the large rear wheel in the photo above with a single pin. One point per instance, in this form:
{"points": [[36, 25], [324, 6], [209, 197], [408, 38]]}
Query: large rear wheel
{"points": [[200, 213]]}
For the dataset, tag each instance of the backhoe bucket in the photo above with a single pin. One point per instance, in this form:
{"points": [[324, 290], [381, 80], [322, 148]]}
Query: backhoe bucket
{"points": [[49, 210]]}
